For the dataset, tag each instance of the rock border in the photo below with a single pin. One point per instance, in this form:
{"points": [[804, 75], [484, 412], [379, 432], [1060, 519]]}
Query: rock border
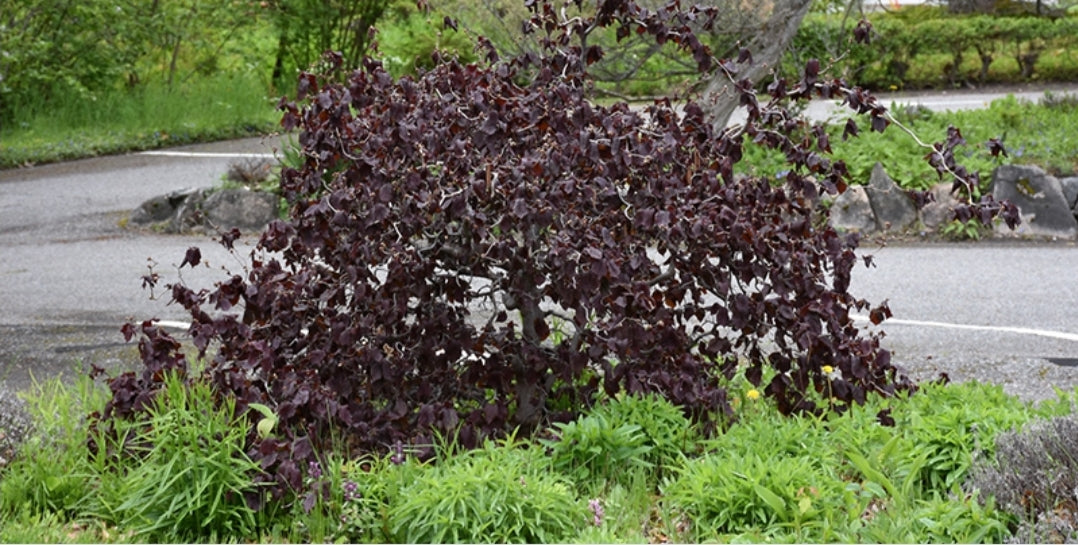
{"points": [[207, 210], [1048, 206]]}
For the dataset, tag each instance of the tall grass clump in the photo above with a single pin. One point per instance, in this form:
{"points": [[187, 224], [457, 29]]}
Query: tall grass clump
{"points": [[179, 471], [668, 433], [50, 476], [176, 473], [951, 425]]}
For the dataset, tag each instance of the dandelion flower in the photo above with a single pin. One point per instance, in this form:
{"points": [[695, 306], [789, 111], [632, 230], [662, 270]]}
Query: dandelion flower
{"points": [[753, 394]]}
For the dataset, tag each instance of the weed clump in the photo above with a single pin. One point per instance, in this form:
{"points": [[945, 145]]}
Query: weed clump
{"points": [[249, 172]]}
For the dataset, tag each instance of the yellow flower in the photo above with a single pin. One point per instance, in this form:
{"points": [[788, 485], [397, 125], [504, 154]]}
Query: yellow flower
{"points": [[752, 394], [827, 369]]}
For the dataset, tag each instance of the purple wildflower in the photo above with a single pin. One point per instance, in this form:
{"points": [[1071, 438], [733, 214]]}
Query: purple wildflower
{"points": [[398, 454], [597, 510], [351, 491], [314, 470]]}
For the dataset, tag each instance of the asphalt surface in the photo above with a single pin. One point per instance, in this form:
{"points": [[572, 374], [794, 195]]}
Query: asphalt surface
{"points": [[990, 311], [70, 275]]}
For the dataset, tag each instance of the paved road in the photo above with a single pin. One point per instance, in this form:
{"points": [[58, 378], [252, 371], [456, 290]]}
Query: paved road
{"points": [[70, 277], [1002, 312], [961, 99]]}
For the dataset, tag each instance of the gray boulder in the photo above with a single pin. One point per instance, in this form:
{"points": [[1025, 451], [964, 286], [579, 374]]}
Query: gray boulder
{"points": [[1070, 191], [938, 212], [240, 208], [160, 208], [1039, 197], [852, 211], [193, 210], [893, 208], [188, 215]]}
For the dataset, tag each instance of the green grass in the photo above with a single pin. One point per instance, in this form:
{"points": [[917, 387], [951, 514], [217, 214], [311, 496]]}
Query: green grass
{"points": [[1032, 133], [769, 478], [216, 108]]}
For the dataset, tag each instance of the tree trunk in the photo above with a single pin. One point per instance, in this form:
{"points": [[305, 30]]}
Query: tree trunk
{"points": [[985, 54], [767, 47], [278, 62], [172, 60]]}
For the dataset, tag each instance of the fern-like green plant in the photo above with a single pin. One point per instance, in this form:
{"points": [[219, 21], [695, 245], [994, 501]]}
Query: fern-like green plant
{"points": [[962, 230], [723, 494], [594, 448], [667, 432], [947, 425]]}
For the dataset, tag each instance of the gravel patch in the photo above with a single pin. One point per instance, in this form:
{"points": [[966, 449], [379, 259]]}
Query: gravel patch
{"points": [[1029, 379]]}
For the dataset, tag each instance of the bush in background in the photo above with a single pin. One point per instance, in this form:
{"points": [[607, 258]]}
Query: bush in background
{"points": [[927, 47]]}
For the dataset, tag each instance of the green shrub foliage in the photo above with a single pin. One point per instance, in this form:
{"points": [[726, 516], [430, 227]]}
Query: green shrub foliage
{"points": [[667, 432], [927, 47], [947, 430], [593, 447], [724, 494], [499, 494], [441, 225]]}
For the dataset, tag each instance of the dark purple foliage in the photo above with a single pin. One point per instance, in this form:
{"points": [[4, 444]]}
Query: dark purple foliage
{"points": [[482, 248]]}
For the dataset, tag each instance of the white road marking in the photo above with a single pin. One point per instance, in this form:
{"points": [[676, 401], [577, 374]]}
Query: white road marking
{"points": [[209, 154], [857, 317], [943, 102], [172, 324], [999, 329]]}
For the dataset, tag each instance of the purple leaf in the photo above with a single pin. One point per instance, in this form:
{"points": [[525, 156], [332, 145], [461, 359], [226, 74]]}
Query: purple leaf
{"points": [[193, 257]]}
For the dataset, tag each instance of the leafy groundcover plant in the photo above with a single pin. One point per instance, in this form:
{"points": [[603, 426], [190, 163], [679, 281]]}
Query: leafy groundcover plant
{"points": [[769, 478], [443, 227]]}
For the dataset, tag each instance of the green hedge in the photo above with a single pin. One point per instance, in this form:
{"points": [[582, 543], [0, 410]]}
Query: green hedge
{"points": [[928, 47]]}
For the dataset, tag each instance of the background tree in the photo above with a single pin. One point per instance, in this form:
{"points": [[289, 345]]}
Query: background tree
{"points": [[766, 28], [166, 31], [775, 26], [81, 50], [308, 28], [51, 48]]}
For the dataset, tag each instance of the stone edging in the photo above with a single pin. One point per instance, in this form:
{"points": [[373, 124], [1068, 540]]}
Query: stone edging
{"points": [[1048, 205]]}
